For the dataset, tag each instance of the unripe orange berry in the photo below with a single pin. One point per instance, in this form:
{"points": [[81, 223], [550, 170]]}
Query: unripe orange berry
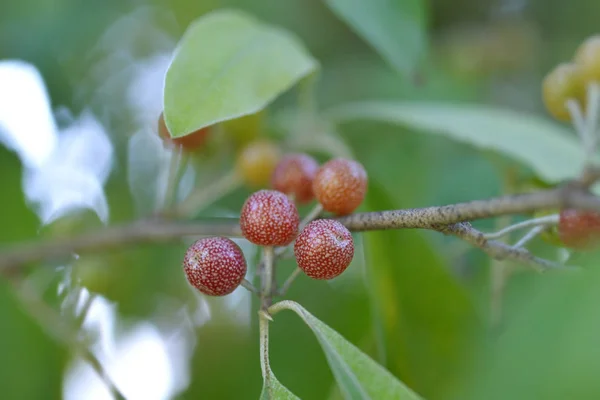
{"points": [[215, 266], [579, 229], [561, 84], [587, 59], [294, 176], [324, 249], [191, 142], [340, 185], [269, 218], [256, 162]]}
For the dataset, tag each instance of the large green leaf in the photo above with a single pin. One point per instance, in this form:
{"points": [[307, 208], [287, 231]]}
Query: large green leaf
{"points": [[548, 149], [424, 317], [229, 64], [358, 375], [395, 28]]}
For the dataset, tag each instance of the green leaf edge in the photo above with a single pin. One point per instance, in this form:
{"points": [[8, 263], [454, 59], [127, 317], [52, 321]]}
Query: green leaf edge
{"points": [[313, 68], [315, 324]]}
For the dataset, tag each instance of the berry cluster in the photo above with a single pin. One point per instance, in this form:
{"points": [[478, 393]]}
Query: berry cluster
{"points": [[564, 90], [324, 248], [568, 80]]}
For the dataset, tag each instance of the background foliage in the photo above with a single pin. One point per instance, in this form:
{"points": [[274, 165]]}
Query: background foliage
{"points": [[419, 303]]}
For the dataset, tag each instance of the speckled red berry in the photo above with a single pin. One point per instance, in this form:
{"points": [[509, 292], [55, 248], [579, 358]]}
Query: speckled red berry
{"points": [[340, 185], [191, 142], [324, 249], [294, 175], [579, 229], [269, 218], [215, 266]]}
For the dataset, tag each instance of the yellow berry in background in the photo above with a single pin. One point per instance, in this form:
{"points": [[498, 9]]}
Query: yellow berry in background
{"points": [[244, 129], [256, 162], [587, 59], [564, 82]]}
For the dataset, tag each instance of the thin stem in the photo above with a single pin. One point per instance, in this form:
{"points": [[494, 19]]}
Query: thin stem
{"points": [[202, 197], [530, 236], [246, 284], [541, 221], [578, 121], [314, 213], [288, 282], [267, 277], [177, 166], [263, 328], [87, 304], [593, 104], [52, 322]]}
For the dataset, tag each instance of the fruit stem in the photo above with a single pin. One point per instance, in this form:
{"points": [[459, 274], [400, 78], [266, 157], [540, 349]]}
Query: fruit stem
{"points": [[530, 235], [263, 328], [177, 166], [246, 284], [204, 196], [288, 282], [578, 121], [314, 213], [534, 222], [593, 103], [267, 277]]}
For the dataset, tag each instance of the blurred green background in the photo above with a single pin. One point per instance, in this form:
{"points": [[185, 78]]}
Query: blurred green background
{"points": [[421, 304]]}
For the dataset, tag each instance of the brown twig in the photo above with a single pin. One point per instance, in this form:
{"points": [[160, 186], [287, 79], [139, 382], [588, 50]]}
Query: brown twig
{"points": [[436, 218]]}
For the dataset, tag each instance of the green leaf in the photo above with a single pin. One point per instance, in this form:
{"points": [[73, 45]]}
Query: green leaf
{"points": [[274, 390], [227, 65], [358, 375], [395, 28], [549, 348], [423, 316], [548, 149]]}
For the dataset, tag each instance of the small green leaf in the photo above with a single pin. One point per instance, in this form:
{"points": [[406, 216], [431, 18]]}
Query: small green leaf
{"points": [[395, 28], [274, 390], [358, 376], [548, 149], [227, 65]]}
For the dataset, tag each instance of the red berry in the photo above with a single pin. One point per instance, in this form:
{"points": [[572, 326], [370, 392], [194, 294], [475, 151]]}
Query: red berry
{"points": [[324, 249], [340, 185], [579, 229], [294, 175], [191, 142], [215, 266], [269, 218]]}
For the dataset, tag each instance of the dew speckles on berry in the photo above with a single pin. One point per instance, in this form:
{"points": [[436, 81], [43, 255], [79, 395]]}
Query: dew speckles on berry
{"points": [[340, 185], [215, 266], [324, 249], [294, 175], [269, 218]]}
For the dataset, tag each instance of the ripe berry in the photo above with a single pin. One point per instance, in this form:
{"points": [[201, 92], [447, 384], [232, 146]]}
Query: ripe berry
{"points": [[324, 249], [256, 162], [561, 84], [294, 175], [269, 218], [215, 266], [587, 59], [191, 142], [579, 229], [340, 185]]}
